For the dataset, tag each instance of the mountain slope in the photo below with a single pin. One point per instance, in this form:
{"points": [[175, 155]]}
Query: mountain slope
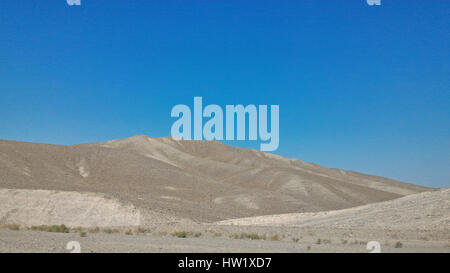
{"points": [[200, 180], [423, 211]]}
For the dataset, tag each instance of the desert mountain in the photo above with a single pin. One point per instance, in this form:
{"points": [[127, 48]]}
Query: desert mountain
{"points": [[204, 181]]}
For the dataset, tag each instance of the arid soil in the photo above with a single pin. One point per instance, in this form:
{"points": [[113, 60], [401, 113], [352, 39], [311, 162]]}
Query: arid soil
{"points": [[422, 211], [144, 194], [220, 239], [205, 181]]}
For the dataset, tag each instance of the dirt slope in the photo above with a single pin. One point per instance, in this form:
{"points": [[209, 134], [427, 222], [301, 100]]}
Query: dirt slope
{"points": [[205, 181], [74, 209], [423, 211]]}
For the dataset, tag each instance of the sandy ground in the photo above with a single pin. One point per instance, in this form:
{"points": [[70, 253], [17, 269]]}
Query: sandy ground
{"points": [[38, 241], [415, 223]]}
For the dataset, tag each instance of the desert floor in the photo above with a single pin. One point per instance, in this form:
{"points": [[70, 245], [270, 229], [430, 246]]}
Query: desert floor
{"points": [[212, 238]]}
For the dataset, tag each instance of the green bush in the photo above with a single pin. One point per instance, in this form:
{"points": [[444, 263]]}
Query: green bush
{"points": [[251, 236], [54, 228], [179, 234]]}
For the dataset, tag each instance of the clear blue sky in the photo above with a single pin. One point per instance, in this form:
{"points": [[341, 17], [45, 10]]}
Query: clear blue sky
{"points": [[360, 87]]}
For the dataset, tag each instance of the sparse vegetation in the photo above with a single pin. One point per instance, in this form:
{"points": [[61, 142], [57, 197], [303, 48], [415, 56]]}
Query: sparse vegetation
{"points": [[12, 226], [344, 242], [398, 245], [185, 234], [251, 236], [77, 229], [179, 234], [142, 230], [234, 236], [94, 230], [107, 230], [53, 228], [65, 229], [110, 230], [319, 241], [275, 237], [129, 232], [295, 240]]}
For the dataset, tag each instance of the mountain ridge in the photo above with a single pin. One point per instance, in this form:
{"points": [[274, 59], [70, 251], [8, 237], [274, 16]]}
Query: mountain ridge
{"points": [[204, 181]]}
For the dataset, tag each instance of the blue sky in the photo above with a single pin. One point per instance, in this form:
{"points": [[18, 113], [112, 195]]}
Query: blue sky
{"points": [[360, 87]]}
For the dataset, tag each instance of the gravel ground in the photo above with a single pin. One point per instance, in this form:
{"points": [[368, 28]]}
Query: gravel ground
{"points": [[330, 241]]}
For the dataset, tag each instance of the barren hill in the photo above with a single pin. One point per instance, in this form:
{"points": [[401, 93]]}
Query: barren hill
{"points": [[423, 211], [43, 207], [200, 180]]}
